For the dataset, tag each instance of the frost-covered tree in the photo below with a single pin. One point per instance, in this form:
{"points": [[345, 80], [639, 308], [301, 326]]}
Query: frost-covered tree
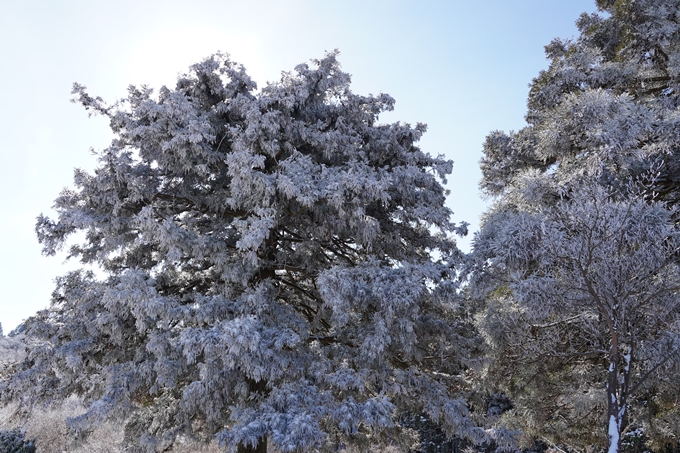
{"points": [[602, 137], [607, 104], [276, 269], [585, 296], [12, 352]]}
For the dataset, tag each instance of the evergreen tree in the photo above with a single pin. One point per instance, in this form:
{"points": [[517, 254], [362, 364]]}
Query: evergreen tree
{"points": [[277, 269], [14, 442], [597, 159], [607, 104], [583, 315]]}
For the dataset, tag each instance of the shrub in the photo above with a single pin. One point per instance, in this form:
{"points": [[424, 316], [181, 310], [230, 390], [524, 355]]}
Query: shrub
{"points": [[12, 441]]}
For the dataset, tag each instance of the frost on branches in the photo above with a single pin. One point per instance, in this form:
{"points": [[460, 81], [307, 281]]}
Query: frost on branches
{"points": [[269, 270], [576, 262], [12, 352], [590, 306], [609, 102]]}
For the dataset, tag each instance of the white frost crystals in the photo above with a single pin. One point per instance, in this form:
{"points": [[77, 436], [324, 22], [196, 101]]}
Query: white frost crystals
{"points": [[12, 352], [598, 280], [269, 269], [576, 265]]}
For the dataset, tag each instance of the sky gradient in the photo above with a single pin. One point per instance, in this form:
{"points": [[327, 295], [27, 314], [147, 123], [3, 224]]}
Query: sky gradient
{"points": [[461, 67]]}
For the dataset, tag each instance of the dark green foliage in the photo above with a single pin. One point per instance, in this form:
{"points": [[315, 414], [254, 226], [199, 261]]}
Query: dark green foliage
{"points": [[637, 441], [634, 442], [12, 441], [432, 439]]}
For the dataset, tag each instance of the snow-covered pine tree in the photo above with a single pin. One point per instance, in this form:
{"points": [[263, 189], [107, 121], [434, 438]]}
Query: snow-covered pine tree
{"points": [[602, 123], [608, 103], [269, 269]]}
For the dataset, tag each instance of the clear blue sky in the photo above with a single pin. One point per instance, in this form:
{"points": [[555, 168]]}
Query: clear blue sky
{"points": [[460, 66]]}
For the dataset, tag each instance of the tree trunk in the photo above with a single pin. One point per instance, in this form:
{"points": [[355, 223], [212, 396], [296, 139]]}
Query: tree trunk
{"points": [[261, 447], [613, 412]]}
